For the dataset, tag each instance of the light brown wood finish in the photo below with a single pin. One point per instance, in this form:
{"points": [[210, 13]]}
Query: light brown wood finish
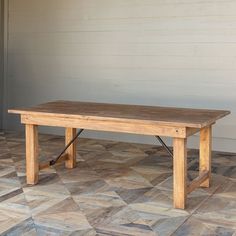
{"points": [[71, 151], [191, 131], [178, 123], [135, 127], [204, 175], [32, 166], [205, 153], [180, 172], [166, 116]]}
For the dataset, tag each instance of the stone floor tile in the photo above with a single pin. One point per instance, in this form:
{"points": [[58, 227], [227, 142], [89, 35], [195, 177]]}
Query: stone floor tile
{"points": [[116, 189]]}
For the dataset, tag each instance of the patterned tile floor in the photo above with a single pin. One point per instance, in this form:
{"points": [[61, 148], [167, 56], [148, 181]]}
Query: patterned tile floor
{"points": [[116, 189]]}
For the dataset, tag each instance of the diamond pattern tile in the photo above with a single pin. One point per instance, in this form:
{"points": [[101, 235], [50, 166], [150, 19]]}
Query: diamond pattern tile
{"points": [[116, 189]]}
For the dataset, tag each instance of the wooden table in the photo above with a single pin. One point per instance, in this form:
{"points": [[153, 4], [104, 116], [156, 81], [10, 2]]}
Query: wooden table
{"points": [[179, 123]]}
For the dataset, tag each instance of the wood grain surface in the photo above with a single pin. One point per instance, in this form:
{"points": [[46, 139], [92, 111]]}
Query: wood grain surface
{"points": [[184, 117]]}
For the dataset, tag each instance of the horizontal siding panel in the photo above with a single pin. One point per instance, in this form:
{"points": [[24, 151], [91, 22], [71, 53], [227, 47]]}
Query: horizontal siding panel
{"points": [[128, 37], [216, 77], [123, 49], [115, 9], [131, 62], [209, 92], [150, 92], [62, 23]]}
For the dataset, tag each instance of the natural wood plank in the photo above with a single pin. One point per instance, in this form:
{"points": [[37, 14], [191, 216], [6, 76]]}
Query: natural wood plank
{"points": [[32, 166], [184, 117], [180, 172], [135, 127], [71, 151], [198, 181], [205, 153], [191, 131]]}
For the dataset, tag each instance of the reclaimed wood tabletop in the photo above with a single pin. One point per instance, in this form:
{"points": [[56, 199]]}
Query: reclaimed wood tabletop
{"points": [[188, 117]]}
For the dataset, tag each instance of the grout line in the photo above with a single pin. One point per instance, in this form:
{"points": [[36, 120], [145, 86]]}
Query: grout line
{"points": [[206, 199], [21, 187]]}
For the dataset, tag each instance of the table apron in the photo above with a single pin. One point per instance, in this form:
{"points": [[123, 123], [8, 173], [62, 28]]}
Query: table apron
{"points": [[145, 128]]}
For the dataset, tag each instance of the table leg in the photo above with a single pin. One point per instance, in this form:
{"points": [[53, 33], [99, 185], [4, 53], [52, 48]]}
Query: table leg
{"points": [[205, 153], [32, 166], [180, 172], [71, 151]]}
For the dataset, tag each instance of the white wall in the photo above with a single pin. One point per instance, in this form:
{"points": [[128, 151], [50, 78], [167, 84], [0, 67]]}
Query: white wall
{"points": [[157, 52]]}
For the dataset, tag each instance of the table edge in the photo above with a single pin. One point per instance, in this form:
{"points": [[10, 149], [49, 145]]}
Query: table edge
{"points": [[164, 123]]}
